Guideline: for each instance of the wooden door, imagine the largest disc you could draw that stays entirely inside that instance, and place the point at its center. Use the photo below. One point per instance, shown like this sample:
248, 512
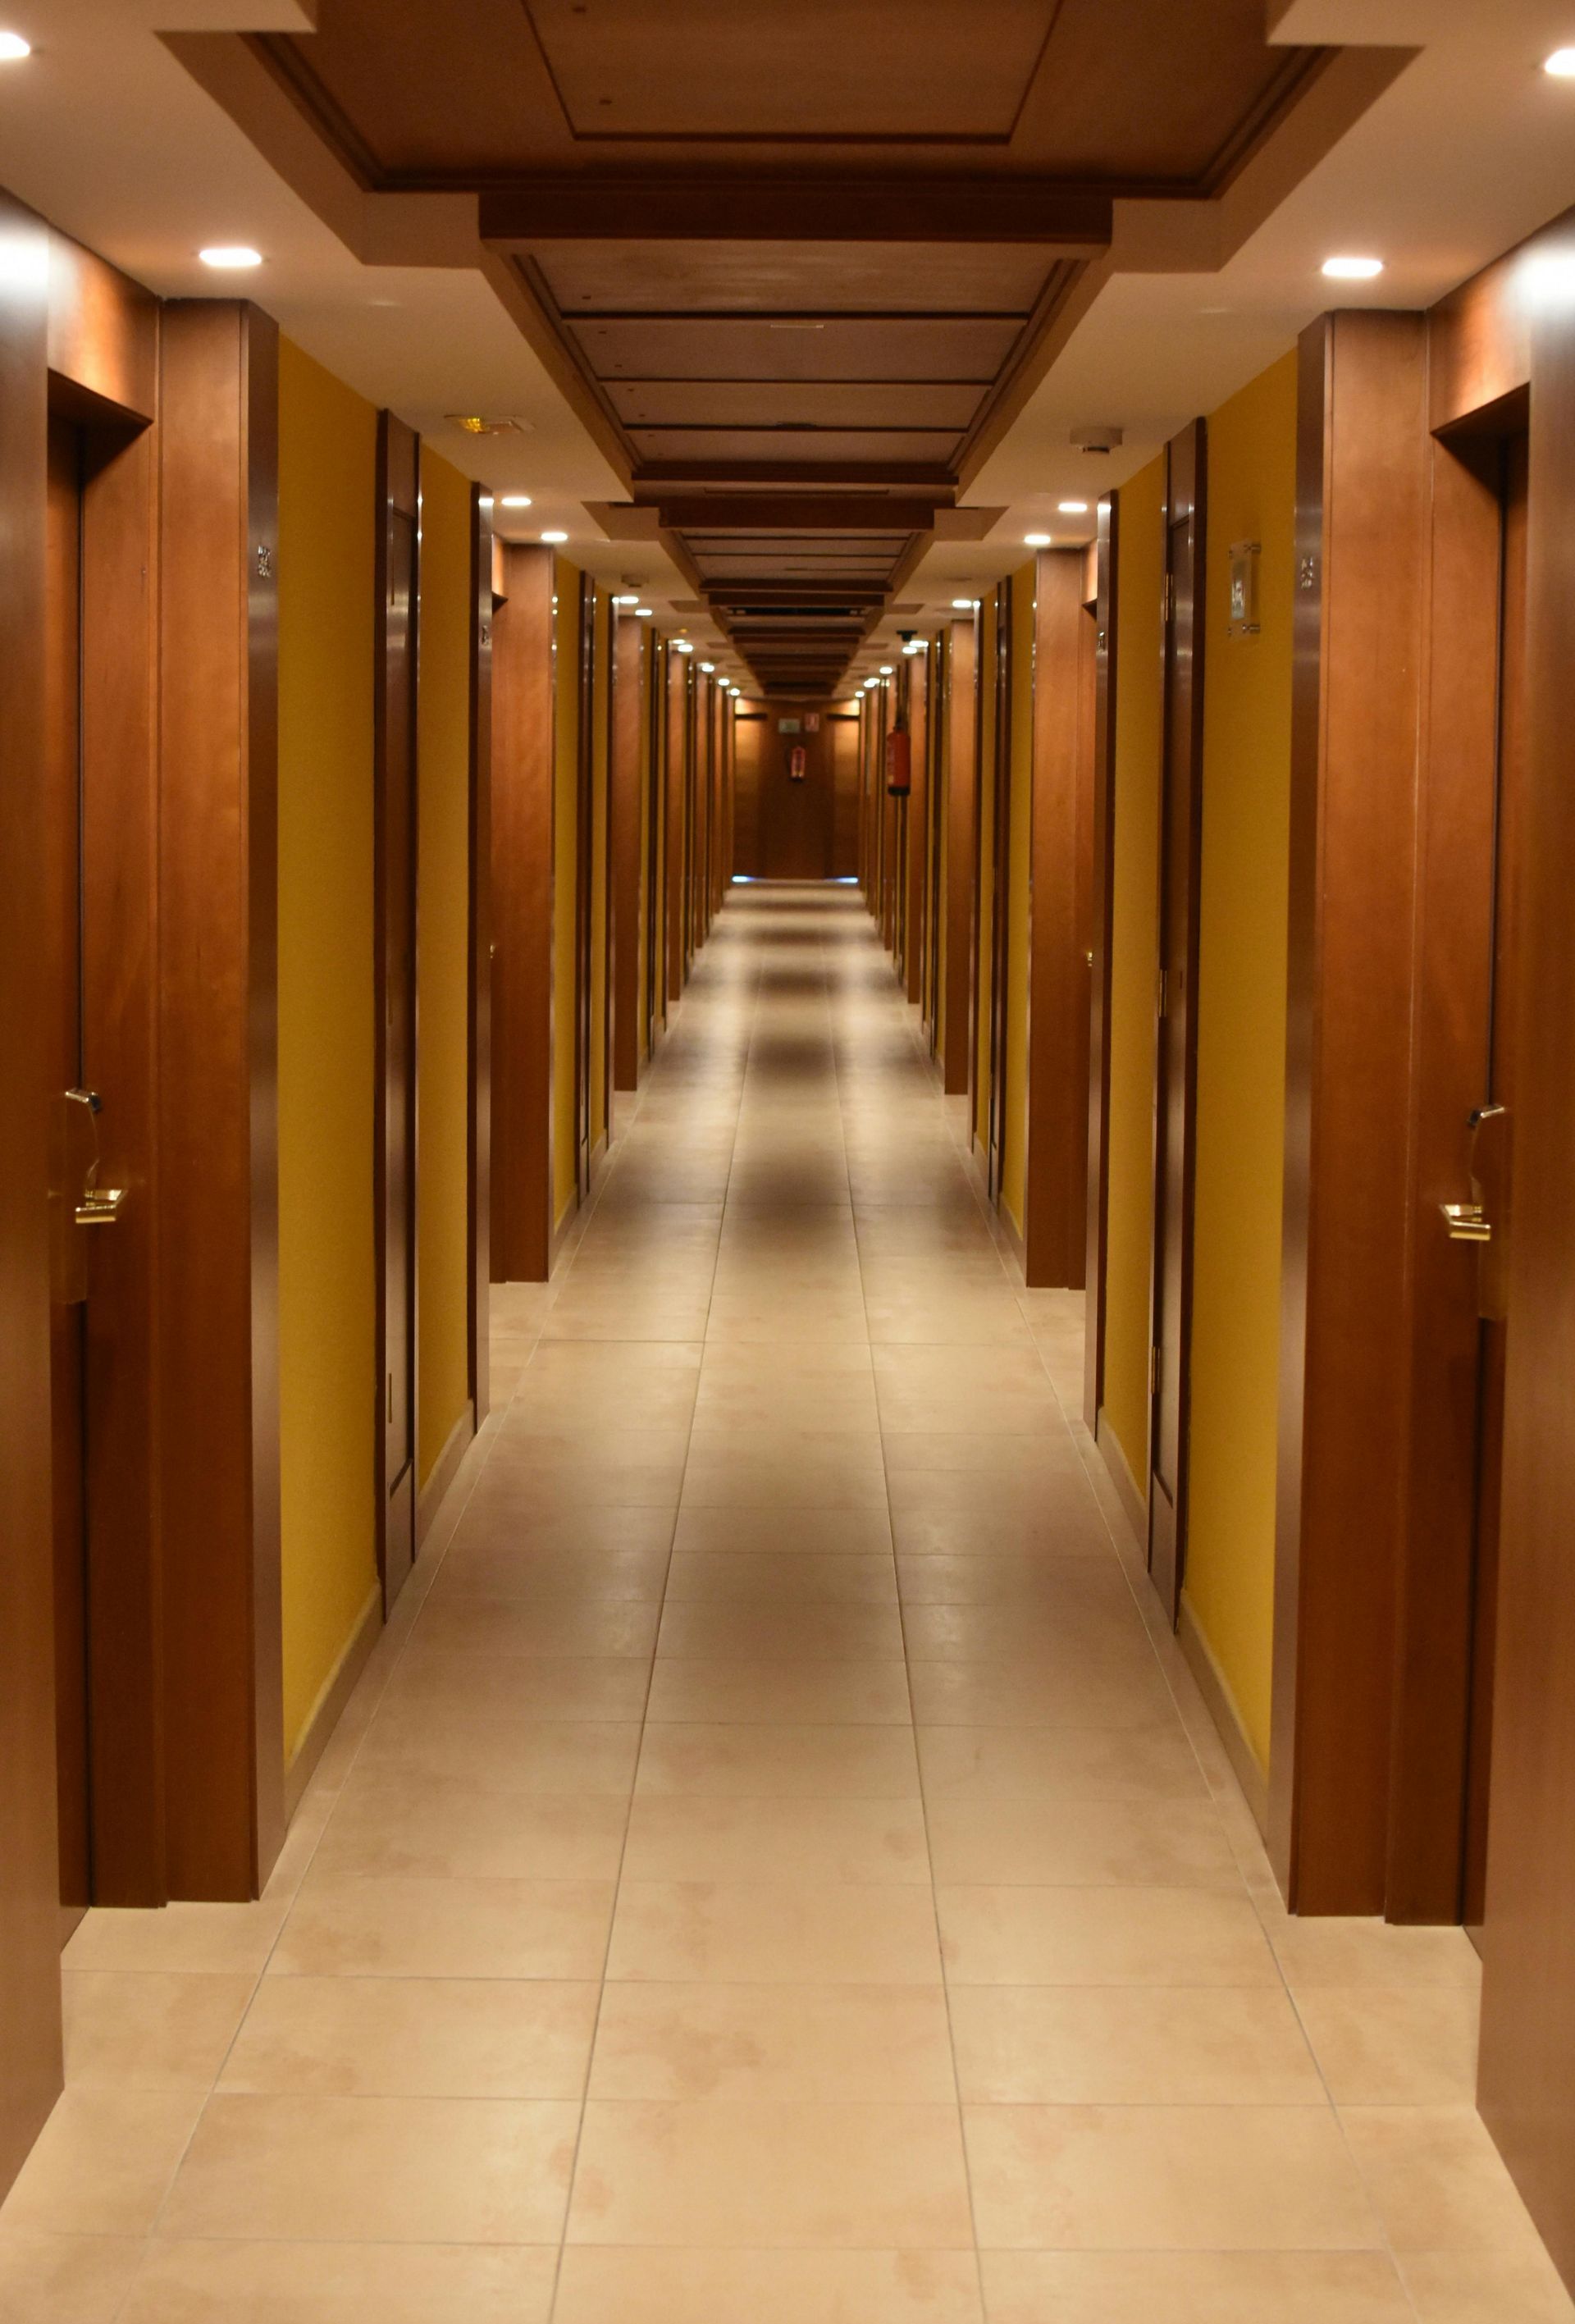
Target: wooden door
996, 872
76, 1133
397, 581
1487, 1157
1176, 1077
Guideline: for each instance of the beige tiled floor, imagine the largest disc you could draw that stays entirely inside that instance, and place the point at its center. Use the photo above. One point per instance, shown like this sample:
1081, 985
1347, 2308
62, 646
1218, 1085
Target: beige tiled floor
775, 1869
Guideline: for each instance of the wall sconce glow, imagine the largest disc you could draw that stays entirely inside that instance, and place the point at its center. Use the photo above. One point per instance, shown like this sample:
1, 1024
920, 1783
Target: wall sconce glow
1561, 64
1036, 540
14, 48
1072, 508
555, 536
1352, 270
231, 256
516, 500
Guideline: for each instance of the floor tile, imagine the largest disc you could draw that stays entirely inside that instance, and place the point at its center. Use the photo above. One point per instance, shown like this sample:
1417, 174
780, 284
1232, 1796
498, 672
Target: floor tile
767, 2287
781, 1578
1101, 1936
774, 1933
800, 2042
1153, 1844
443, 1827
376, 2169
103, 2162
1394, 2045
1192, 2178
65, 2279
210, 2282
676, 1837
427, 2037
819, 1629
797, 2175
761, 1762
150, 2030
408, 1927
784, 1532
1437, 2179
1454, 2287
1058, 1763
783, 1690
1194, 2288
1145, 2046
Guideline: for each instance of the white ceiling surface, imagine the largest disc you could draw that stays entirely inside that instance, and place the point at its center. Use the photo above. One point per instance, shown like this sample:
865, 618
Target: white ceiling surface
1471, 148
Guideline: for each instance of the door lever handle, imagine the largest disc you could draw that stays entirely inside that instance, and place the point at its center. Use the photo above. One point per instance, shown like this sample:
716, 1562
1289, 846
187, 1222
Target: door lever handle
1464, 1222
99, 1207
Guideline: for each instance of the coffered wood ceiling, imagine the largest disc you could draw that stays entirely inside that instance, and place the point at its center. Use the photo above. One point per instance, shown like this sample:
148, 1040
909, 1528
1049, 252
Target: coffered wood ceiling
799, 252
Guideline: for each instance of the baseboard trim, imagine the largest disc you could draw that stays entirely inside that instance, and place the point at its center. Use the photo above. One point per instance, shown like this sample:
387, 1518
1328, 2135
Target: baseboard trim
1134, 1506
1215, 1690
334, 1694
444, 1470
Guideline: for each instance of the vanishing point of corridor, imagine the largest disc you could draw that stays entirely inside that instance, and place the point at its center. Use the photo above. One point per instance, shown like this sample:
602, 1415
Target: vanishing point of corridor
774, 1866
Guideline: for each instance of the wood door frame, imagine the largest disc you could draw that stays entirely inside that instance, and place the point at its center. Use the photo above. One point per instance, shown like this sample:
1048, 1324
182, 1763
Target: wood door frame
1181, 818
522, 882
399, 495
916, 836
1055, 1205
1107, 553
584, 876
623, 837
1360, 618
961, 843
478, 1145
1001, 887
676, 785
654, 765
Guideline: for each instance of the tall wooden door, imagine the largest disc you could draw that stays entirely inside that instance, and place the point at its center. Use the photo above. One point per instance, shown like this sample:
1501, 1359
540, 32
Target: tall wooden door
1175, 1089
76, 1137
397, 534
996, 870
1485, 1150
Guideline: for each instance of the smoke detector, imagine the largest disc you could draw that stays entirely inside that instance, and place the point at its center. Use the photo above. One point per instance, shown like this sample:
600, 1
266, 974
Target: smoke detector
1096, 439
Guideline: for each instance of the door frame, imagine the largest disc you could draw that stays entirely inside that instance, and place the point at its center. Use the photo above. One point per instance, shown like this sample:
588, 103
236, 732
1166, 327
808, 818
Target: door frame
478, 1159
1176, 1080
1107, 646
1000, 886
399, 495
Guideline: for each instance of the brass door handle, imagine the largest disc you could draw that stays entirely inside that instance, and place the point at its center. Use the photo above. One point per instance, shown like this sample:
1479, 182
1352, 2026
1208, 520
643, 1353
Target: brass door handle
1464, 1222
99, 1207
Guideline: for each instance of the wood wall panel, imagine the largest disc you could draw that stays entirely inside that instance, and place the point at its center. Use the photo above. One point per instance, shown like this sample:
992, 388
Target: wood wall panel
522, 767
30, 1985
1057, 1203
679, 749
915, 824
1527, 2087
1362, 552
218, 1343
103, 333
1101, 874
630, 723
962, 854
479, 1158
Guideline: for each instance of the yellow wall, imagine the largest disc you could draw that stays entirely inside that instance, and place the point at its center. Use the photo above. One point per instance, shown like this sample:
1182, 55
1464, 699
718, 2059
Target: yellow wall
1134, 962
328, 1291
1242, 1049
566, 876
984, 981
443, 961
599, 802
1015, 1160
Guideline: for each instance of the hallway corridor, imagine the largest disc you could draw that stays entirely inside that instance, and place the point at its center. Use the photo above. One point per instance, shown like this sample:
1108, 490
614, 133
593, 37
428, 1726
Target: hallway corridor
776, 1869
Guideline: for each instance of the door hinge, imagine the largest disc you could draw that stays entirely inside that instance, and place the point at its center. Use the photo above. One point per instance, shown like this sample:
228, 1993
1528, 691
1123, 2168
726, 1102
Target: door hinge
1153, 1370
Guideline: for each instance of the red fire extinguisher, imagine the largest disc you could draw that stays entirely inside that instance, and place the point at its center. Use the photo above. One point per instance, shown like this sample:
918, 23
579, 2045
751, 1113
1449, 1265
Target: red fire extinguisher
899, 763
797, 764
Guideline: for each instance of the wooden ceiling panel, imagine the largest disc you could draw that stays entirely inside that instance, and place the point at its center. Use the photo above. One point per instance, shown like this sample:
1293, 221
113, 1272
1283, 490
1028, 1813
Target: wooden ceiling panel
780, 402
918, 347
816, 69
792, 442
790, 277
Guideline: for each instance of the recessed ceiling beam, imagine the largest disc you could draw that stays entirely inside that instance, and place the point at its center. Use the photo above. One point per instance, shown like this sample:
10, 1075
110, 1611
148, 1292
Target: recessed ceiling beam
796, 512
916, 477
893, 209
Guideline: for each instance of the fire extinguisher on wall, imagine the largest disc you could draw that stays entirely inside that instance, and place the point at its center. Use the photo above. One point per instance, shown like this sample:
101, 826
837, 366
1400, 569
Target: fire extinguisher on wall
797, 764
899, 763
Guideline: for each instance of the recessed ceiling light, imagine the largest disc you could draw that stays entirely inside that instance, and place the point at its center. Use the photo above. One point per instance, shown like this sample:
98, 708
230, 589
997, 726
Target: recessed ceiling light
626, 601
708, 667
962, 604
231, 254
555, 536
516, 500
1561, 64
1353, 270
886, 669
14, 48
1072, 508
682, 645
643, 612
1036, 540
